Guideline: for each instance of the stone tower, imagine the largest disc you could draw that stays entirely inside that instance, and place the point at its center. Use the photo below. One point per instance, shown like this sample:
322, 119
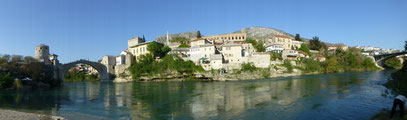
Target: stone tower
42, 53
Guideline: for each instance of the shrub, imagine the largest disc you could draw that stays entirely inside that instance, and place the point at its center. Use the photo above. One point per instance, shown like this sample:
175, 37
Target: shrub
5, 81
287, 64
248, 67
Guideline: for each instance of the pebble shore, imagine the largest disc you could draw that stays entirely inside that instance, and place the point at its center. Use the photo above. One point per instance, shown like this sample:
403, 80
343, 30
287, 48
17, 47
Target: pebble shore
15, 115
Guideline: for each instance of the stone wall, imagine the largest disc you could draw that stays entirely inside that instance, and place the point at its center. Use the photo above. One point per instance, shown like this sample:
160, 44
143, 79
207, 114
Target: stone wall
260, 60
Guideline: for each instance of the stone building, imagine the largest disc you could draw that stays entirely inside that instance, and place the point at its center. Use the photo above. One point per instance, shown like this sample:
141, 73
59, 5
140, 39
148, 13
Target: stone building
54, 59
226, 37
286, 42
42, 53
260, 60
232, 53
139, 49
200, 41
201, 51
110, 63
134, 41
290, 54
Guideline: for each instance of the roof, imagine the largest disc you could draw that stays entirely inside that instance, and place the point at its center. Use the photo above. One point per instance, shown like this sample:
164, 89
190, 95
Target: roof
319, 55
281, 36
197, 39
144, 43
301, 52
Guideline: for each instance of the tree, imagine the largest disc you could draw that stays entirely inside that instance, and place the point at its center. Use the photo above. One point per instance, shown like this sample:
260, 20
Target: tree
304, 48
405, 46
144, 39
331, 65
199, 34
258, 45
394, 62
158, 50
297, 37
315, 44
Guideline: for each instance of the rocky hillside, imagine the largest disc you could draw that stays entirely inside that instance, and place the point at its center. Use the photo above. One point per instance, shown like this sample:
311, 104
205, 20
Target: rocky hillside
262, 32
190, 35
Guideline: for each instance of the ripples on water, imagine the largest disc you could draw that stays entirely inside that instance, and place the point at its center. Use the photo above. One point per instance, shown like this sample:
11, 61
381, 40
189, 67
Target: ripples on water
332, 96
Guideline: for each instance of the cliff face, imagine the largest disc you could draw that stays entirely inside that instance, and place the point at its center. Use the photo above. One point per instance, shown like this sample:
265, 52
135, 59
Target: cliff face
262, 32
190, 35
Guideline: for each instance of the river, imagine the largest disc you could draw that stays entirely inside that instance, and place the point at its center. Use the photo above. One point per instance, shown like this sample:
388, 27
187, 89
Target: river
356, 95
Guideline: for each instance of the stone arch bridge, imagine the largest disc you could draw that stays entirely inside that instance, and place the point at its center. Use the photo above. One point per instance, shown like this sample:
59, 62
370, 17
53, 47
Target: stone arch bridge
381, 59
64, 68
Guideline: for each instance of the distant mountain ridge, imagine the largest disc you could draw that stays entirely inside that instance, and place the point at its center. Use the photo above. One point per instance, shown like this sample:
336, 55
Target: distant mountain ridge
262, 32
251, 32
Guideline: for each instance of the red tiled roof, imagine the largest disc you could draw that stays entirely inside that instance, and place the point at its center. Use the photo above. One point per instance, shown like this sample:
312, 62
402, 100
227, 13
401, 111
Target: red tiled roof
301, 52
281, 36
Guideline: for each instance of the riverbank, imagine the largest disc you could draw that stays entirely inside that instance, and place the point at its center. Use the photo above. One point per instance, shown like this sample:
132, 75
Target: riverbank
16, 115
216, 76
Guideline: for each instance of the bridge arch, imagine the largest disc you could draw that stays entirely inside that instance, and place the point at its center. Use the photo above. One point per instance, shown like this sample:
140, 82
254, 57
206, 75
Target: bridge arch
102, 70
381, 59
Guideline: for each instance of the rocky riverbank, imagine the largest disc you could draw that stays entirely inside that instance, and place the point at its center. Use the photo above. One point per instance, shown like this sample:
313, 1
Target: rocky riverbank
15, 115
216, 76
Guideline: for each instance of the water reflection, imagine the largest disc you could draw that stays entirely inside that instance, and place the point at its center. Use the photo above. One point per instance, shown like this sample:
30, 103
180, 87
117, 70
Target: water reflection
341, 95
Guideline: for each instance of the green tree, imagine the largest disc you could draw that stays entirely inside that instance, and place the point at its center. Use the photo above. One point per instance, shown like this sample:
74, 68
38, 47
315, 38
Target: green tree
184, 46
297, 37
257, 45
394, 62
5, 81
331, 65
199, 34
305, 48
315, 44
158, 50
405, 45
287, 64
144, 39
248, 67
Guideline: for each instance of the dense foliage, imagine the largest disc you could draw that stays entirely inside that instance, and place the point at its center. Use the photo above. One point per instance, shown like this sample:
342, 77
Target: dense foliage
287, 64
12, 67
297, 37
73, 76
339, 61
5, 81
184, 46
398, 84
394, 63
158, 50
315, 43
147, 66
248, 67
199, 34
275, 56
257, 45
305, 48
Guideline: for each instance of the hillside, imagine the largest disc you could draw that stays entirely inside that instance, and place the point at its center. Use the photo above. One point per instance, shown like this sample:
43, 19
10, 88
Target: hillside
190, 35
262, 32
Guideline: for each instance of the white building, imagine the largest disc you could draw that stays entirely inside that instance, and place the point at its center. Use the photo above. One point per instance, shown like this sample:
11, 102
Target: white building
232, 53
275, 48
201, 51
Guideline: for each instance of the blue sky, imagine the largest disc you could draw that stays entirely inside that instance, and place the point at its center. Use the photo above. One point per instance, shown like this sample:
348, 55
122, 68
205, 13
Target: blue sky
90, 29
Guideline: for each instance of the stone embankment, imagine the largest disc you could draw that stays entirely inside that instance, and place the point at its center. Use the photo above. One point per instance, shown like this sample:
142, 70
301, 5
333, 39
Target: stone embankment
208, 76
15, 115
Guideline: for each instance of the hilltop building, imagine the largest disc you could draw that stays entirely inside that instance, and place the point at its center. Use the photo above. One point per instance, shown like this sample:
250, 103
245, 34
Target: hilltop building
42, 55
